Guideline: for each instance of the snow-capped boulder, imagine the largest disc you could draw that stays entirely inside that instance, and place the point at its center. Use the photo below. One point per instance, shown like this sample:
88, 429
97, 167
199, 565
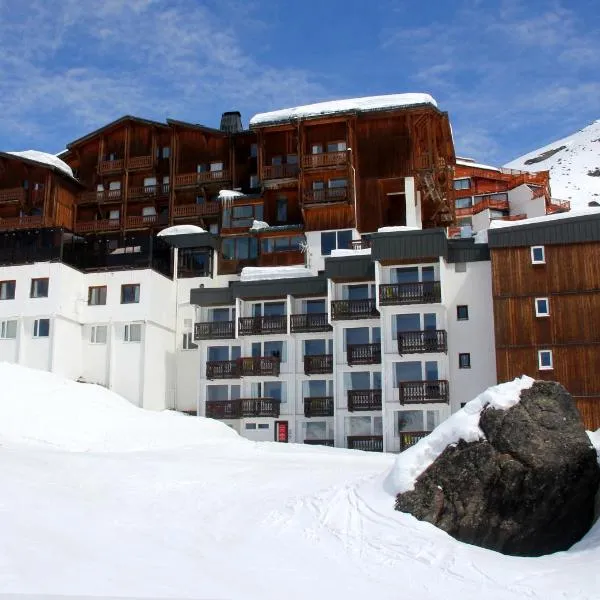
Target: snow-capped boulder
526, 488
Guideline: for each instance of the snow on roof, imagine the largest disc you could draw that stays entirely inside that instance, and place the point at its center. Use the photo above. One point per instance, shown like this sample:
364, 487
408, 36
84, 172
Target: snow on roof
258, 225
267, 273
470, 163
397, 228
463, 424
350, 252
180, 230
45, 158
367, 104
230, 195
589, 211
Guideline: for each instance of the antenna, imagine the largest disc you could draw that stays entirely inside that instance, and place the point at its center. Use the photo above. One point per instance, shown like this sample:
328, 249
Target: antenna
306, 251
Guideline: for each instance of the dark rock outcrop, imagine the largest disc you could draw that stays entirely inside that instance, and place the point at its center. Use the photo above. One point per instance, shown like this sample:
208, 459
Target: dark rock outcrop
526, 490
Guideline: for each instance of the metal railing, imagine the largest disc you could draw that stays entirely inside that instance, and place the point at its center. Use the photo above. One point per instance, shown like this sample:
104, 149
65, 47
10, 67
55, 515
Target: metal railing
364, 400
318, 364
426, 292
309, 322
367, 443
422, 342
318, 406
363, 354
262, 325
243, 408
353, 309
214, 330
423, 392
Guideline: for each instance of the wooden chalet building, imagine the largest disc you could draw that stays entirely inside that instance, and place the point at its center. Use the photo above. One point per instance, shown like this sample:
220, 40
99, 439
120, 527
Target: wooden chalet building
546, 295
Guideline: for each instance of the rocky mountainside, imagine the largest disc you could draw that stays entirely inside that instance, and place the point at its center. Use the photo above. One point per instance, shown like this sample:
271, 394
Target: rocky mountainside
574, 165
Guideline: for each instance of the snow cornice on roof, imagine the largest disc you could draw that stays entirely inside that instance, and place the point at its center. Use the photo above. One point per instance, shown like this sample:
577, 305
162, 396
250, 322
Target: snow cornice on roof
42, 159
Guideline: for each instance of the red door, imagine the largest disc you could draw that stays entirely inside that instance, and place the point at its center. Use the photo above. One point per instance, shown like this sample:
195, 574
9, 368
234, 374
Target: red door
281, 431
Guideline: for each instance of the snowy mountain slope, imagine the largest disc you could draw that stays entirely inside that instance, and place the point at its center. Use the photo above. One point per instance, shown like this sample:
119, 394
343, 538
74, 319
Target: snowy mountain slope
574, 165
202, 513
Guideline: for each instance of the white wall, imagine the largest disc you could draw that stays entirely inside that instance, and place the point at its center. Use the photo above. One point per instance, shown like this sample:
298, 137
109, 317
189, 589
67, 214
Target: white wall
521, 202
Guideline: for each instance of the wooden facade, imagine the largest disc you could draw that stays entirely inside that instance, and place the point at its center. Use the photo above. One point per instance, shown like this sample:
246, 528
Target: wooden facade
570, 280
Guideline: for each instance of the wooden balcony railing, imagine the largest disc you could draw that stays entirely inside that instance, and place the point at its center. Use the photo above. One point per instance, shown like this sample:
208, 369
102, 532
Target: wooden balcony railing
309, 322
12, 195
490, 203
26, 222
243, 408
214, 330
367, 443
426, 292
325, 159
514, 217
423, 392
280, 171
139, 162
329, 443
149, 191
98, 225
140, 221
194, 179
363, 354
223, 369
422, 342
465, 211
254, 366
197, 210
364, 400
353, 309
101, 197
110, 166
318, 407
262, 325
341, 194
555, 205
410, 438
318, 364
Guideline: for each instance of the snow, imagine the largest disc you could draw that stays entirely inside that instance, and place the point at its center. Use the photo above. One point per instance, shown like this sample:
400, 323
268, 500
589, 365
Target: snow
266, 273
350, 252
102, 499
366, 104
583, 212
463, 424
230, 195
569, 166
391, 229
180, 230
258, 225
471, 163
45, 158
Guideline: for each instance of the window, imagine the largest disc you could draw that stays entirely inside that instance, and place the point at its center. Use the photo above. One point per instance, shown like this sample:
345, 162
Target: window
148, 211
464, 360
464, 202
114, 185
239, 248
263, 426
39, 288
242, 216
7, 290
282, 209
316, 149
462, 312
114, 215
460, 267
41, 328
292, 159
276, 161
130, 293
338, 183
462, 184
166, 152
331, 240
133, 332
538, 255
98, 334
194, 263
542, 307
97, 295
336, 146
216, 167
253, 181
545, 360
188, 341
8, 330
253, 150
318, 185
281, 244
250, 426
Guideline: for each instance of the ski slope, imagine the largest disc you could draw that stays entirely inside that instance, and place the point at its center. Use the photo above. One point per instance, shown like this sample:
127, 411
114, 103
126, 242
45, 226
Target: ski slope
99, 498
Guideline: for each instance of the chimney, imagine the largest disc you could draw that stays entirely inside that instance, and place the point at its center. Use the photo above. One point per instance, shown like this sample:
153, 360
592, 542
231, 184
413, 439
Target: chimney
231, 122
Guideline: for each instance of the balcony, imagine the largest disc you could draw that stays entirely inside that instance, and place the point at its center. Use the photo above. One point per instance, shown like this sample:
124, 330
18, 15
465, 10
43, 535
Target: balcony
26, 222
149, 191
367, 443
557, 206
364, 400
318, 364
310, 322
214, 330
423, 392
329, 443
324, 159
111, 166
280, 171
426, 292
363, 354
243, 408
318, 407
97, 226
490, 203
262, 325
422, 342
326, 196
12, 195
410, 438
102, 197
139, 162
257, 366
140, 221
196, 179
353, 309
223, 369
205, 209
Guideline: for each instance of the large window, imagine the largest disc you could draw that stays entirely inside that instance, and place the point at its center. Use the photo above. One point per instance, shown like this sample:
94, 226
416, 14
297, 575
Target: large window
41, 328
464, 202
462, 184
282, 209
270, 349
194, 263
336, 146
130, 293
8, 330
133, 332
332, 240
39, 288
318, 347
97, 295
281, 244
7, 290
240, 248
242, 215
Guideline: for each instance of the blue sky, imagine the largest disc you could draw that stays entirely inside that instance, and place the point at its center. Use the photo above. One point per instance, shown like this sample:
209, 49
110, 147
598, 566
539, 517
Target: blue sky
513, 74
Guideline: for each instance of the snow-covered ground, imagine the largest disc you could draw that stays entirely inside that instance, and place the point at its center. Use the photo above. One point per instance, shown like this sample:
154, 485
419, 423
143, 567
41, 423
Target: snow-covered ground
100, 498
570, 162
